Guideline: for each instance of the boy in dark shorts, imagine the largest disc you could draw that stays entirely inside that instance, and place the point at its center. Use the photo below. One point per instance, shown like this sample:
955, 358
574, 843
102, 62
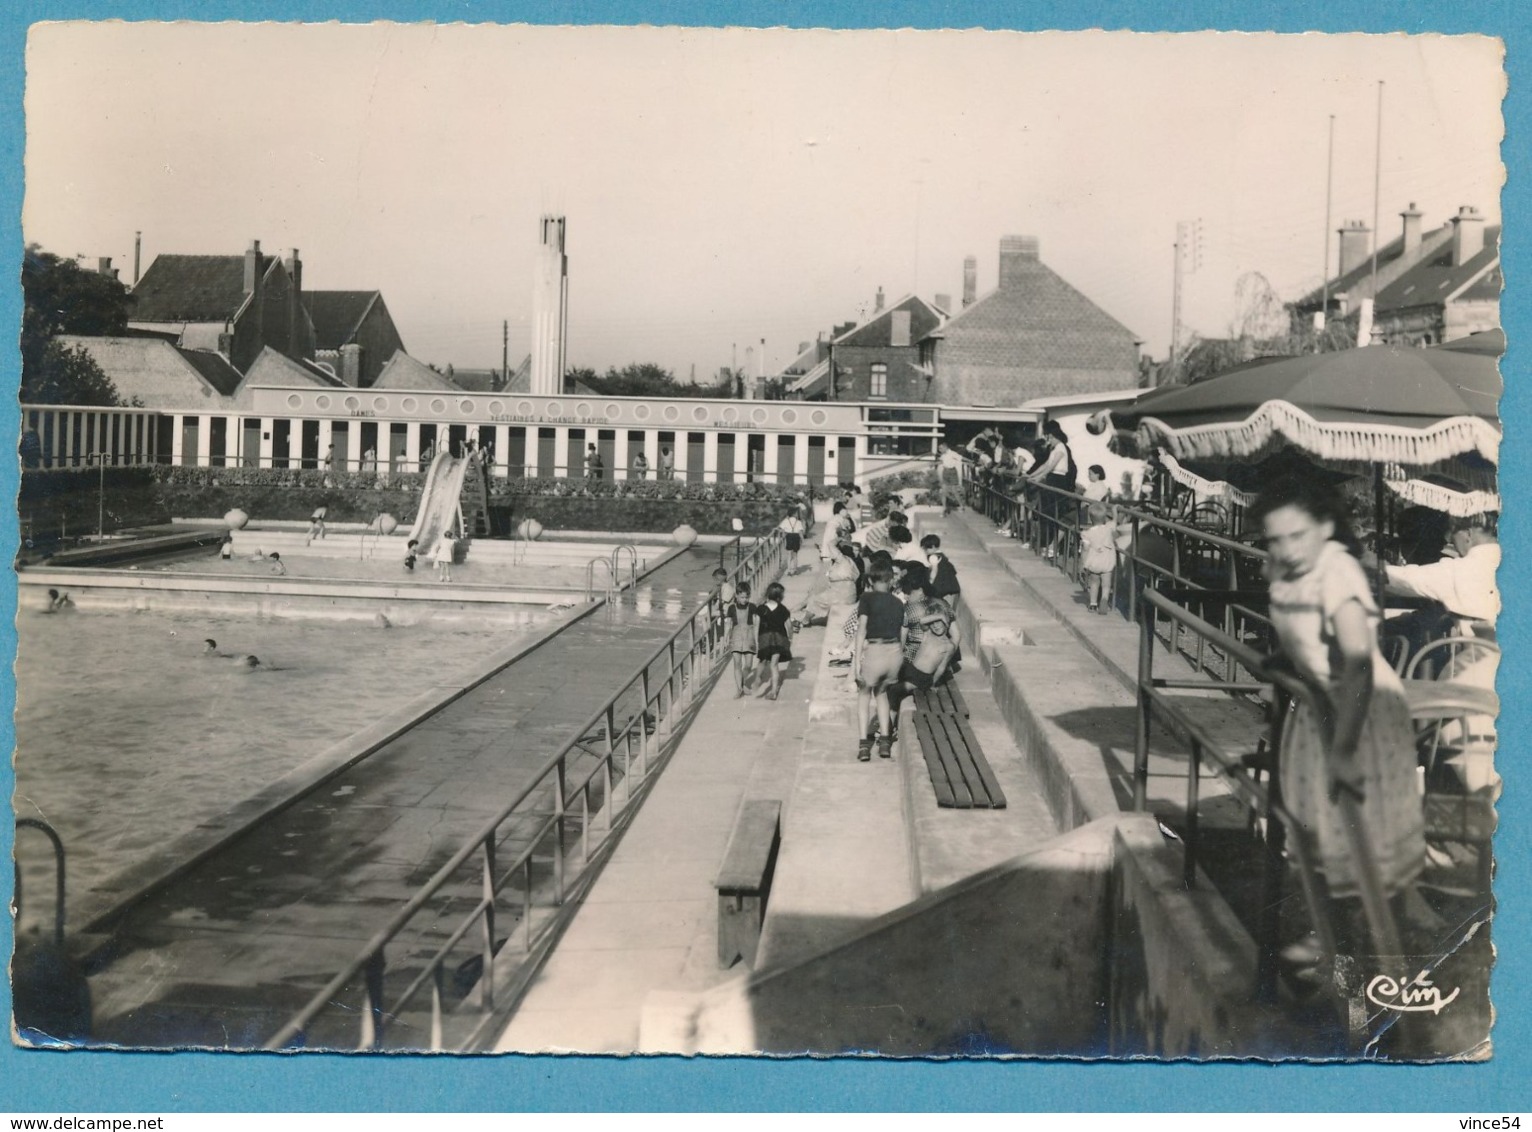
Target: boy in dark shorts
877, 654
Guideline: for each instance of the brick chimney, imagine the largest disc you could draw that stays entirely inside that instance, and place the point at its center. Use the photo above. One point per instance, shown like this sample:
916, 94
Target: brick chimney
1355, 245
1017, 253
1467, 235
970, 280
1411, 246
877, 302
351, 364
294, 305
255, 266
104, 266
944, 303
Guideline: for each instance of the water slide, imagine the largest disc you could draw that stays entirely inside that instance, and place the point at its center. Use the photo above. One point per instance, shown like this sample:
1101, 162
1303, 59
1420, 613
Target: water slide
438, 502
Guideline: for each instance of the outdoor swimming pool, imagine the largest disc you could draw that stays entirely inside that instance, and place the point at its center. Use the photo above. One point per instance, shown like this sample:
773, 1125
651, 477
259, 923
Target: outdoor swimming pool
128, 736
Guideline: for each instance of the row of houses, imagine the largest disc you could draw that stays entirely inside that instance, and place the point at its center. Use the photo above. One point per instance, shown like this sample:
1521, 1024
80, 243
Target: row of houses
1034, 336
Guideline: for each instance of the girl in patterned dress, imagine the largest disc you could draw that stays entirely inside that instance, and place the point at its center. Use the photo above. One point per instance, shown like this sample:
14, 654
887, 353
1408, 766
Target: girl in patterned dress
1355, 738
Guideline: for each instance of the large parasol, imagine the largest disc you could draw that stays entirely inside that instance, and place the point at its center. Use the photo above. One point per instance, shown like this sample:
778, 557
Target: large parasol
1395, 405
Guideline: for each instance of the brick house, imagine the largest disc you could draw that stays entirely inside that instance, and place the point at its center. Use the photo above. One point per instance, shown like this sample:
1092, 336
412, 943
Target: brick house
877, 361
233, 305
1033, 336
354, 335
1451, 294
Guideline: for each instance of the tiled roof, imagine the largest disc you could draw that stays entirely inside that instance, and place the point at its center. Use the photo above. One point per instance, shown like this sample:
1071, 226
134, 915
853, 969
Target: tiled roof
1430, 243
191, 288
1435, 280
276, 370
152, 371
336, 315
812, 382
924, 318
476, 380
215, 370
404, 372
521, 377
1040, 322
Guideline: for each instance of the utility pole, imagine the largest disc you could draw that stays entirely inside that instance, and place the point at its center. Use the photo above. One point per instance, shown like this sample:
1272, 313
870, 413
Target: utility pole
1324, 303
505, 353
1188, 245
1377, 183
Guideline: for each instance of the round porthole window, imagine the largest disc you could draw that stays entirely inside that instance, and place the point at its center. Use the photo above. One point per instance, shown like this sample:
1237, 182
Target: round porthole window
582, 409
465, 406
613, 411
731, 414
790, 415
409, 404
323, 400
555, 408
699, 414
672, 413
497, 408
353, 402
641, 412
294, 401
758, 415
817, 416
438, 405
380, 404
524, 408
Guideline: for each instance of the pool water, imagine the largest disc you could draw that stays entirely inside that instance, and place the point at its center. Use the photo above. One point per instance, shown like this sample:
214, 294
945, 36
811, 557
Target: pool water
127, 735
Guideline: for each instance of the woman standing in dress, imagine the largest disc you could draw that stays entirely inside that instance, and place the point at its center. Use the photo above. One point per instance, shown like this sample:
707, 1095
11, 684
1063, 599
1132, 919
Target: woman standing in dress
1354, 738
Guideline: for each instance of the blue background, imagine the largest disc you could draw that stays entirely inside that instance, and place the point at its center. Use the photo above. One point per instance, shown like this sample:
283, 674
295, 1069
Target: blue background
101, 1082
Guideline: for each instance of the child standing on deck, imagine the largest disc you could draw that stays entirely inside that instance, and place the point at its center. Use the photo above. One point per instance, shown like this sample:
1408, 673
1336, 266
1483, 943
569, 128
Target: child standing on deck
773, 637
740, 619
443, 557
877, 655
1098, 555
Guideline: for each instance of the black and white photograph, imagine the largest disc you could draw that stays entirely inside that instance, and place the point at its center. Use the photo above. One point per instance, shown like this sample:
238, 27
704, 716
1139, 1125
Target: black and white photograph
728, 541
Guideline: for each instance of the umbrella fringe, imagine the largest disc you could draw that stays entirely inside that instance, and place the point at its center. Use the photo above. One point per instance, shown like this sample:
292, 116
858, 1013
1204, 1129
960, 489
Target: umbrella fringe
1205, 488
1329, 440
1458, 504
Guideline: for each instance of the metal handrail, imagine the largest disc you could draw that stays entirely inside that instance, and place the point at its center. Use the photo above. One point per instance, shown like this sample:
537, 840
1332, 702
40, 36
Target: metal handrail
590, 577
685, 668
1152, 703
632, 563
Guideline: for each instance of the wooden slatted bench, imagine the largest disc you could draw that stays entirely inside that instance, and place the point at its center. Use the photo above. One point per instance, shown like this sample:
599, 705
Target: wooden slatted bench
744, 880
944, 699
960, 773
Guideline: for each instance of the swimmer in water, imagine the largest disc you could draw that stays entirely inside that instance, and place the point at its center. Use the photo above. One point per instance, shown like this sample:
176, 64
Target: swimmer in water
278, 567
57, 602
258, 556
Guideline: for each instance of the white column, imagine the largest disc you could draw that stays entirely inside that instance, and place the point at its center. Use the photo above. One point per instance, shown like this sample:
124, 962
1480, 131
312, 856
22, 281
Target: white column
233, 440
204, 440
326, 438
268, 440
621, 458
769, 459
710, 456
682, 452
177, 435
561, 451
151, 435
502, 451
412, 446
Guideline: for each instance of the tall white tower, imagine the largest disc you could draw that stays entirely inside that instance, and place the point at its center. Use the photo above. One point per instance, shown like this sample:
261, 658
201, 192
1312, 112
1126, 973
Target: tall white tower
550, 310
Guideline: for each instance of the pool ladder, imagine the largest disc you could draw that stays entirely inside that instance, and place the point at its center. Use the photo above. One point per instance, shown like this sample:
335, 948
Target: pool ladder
613, 564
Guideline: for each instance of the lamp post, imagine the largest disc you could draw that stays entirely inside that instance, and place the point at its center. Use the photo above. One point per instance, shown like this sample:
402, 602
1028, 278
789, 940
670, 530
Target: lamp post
100, 458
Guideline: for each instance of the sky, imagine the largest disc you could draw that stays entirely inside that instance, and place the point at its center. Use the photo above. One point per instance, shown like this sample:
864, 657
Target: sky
728, 186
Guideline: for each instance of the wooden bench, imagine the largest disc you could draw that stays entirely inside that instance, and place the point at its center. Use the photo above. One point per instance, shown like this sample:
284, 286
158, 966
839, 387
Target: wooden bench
744, 880
960, 773
943, 699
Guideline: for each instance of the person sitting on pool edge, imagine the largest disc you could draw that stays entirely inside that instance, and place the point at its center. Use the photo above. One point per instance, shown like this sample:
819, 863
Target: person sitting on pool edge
410, 553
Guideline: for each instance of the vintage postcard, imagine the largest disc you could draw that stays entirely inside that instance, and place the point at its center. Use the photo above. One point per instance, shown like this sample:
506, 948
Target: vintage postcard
642, 540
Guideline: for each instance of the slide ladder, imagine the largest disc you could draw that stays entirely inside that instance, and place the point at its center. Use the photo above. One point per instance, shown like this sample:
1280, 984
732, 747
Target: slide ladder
475, 502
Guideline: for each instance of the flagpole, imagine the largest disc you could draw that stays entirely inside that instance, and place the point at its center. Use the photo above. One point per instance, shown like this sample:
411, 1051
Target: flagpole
1377, 182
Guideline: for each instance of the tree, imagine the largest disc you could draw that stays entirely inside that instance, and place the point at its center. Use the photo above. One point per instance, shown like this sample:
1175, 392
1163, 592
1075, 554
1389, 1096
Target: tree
59, 298
644, 379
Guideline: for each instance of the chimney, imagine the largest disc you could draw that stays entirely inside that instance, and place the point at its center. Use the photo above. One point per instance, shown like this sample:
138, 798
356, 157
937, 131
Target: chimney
104, 266
294, 305
877, 302
351, 364
1411, 245
944, 303
1016, 254
803, 348
970, 280
254, 265
138, 248
1355, 245
1467, 235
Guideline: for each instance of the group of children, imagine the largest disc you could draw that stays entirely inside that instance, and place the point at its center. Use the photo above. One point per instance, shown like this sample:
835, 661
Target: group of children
759, 636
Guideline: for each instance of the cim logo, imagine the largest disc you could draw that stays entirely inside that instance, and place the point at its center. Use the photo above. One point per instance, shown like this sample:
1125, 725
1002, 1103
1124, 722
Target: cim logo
1410, 997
